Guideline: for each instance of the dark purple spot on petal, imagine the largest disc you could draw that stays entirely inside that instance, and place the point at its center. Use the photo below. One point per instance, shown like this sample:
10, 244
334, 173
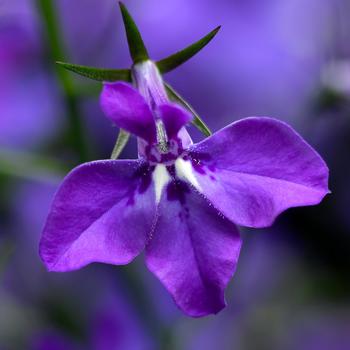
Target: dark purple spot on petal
145, 183
204, 157
167, 157
131, 200
198, 167
186, 212
143, 177
177, 190
212, 167
171, 170
153, 159
202, 162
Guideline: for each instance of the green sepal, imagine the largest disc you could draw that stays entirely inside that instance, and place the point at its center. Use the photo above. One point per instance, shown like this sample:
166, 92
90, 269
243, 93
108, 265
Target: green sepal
137, 48
170, 63
99, 74
122, 140
197, 121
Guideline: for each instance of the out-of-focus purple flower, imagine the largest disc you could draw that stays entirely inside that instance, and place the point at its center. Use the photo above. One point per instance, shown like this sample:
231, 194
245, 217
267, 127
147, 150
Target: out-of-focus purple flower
179, 201
52, 341
114, 326
28, 97
77, 17
29, 202
321, 332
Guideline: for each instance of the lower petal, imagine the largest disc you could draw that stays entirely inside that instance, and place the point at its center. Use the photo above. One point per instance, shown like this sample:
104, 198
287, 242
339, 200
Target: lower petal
103, 212
193, 251
256, 168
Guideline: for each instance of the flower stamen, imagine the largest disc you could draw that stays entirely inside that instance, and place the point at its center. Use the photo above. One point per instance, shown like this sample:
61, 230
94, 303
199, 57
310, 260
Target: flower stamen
162, 137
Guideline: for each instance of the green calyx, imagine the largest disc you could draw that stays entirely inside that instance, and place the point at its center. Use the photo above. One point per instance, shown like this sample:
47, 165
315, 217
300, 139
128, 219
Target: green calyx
197, 120
98, 74
122, 140
137, 47
170, 63
139, 53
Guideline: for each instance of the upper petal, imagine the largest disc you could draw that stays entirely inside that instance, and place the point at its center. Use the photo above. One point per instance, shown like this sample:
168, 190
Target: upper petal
257, 167
103, 212
174, 118
126, 107
193, 250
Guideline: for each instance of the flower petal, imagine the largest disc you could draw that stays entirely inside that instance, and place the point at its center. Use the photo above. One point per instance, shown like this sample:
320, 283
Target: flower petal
193, 251
103, 212
174, 118
256, 168
126, 107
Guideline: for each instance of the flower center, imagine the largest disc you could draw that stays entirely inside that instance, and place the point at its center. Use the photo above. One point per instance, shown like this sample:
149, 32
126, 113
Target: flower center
147, 79
155, 154
149, 82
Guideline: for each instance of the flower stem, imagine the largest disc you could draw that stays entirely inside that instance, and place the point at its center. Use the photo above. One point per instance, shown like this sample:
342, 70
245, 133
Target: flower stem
30, 166
6, 251
55, 43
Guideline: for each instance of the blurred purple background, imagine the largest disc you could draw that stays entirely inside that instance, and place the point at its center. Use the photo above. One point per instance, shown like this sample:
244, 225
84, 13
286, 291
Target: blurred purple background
288, 59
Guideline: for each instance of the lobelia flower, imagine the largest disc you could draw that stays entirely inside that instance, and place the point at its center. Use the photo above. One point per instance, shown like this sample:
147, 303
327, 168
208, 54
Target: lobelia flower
179, 202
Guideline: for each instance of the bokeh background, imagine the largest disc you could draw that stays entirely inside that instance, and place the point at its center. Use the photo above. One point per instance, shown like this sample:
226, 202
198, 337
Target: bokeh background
288, 59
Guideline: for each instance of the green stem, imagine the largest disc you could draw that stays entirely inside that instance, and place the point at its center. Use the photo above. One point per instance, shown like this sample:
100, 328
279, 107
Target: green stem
29, 166
55, 44
6, 251
197, 121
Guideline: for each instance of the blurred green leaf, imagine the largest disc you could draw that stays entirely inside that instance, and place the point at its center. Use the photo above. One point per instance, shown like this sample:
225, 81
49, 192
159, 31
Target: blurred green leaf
122, 140
99, 74
177, 59
330, 99
137, 47
6, 250
31, 166
197, 121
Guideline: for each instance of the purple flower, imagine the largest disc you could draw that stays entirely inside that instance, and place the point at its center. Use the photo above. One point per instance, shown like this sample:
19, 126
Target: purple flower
52, 341
179, 201
28, 97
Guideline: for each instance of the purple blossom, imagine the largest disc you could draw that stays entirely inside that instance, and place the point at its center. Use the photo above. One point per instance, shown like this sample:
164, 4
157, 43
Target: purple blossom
179, 202
28, 97
52, 341
320, 331
116, 325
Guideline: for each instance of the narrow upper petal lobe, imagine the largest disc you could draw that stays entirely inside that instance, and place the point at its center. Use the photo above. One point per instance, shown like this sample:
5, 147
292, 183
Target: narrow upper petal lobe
193, 250
174, 118
257, 167
103, 212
